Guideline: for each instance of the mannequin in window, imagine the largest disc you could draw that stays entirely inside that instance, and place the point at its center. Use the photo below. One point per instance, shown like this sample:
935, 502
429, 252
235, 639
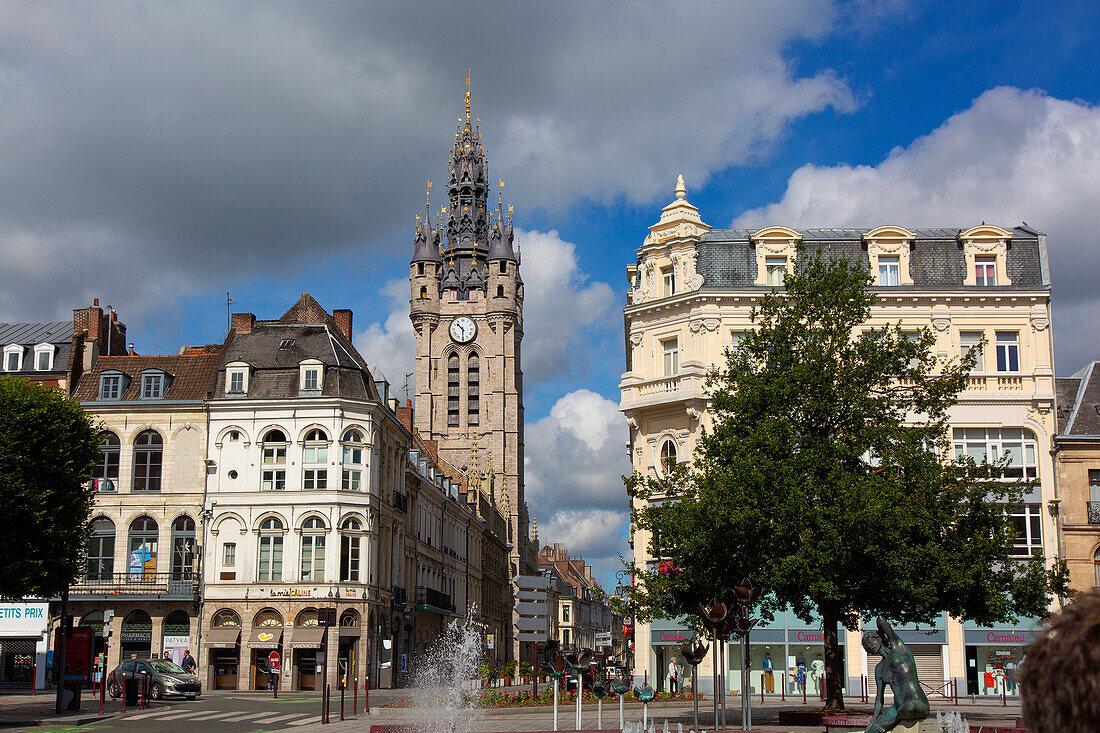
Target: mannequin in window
769, 673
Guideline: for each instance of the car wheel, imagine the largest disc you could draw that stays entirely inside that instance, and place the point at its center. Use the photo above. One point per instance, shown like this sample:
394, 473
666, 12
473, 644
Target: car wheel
156, 692
112, 688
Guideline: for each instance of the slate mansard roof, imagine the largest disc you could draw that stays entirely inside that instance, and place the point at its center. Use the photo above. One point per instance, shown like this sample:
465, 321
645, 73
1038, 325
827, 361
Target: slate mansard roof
29, 335
1078, 400
727, 257
274, 350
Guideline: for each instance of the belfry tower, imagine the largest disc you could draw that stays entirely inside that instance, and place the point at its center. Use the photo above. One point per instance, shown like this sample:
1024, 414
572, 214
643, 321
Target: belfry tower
467, 314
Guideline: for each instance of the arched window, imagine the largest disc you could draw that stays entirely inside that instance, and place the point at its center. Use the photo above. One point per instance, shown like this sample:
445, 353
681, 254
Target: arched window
225, 617
271, 550
353, 460
423, 290
315, 460
668, 456
183, 548
105, 477
452, 389
273, 461
313, 550
144, 535
148, 454
101, 550
308, 617
500, 290
473, 390
268, 617
349, 550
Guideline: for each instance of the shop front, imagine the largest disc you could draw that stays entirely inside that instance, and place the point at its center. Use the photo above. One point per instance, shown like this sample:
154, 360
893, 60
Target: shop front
137, 635
306, 644
223, 651
23, 645
927, 647
992, 657
346, 657
176, 636
665, 645
267, 636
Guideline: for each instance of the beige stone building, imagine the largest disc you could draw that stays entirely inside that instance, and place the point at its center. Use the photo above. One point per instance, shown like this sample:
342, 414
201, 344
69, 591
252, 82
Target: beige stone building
1077, 466
691, 291
140, 588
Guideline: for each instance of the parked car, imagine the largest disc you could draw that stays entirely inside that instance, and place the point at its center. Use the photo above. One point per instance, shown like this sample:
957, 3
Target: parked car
163, 678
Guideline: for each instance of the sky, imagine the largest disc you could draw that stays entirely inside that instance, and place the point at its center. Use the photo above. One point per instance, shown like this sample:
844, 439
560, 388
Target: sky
159, 155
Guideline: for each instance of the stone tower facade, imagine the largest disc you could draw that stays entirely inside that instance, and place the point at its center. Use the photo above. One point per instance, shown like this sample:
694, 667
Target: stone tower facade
467, 314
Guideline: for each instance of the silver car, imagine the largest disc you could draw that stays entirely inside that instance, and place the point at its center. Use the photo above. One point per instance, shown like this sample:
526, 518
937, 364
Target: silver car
162, 676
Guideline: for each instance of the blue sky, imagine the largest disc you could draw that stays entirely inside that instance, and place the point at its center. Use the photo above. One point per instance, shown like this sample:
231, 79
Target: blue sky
158, 156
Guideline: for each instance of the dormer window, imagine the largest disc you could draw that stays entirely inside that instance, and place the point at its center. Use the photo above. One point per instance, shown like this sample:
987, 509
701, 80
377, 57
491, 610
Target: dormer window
237, 378
311, 374
112, 385
153, 385
43, 357
13, 358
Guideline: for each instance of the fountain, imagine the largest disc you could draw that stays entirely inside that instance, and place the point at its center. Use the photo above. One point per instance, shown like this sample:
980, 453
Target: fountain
446, 680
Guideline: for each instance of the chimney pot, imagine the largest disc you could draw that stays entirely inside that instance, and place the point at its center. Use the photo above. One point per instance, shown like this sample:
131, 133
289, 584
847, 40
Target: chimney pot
95, 301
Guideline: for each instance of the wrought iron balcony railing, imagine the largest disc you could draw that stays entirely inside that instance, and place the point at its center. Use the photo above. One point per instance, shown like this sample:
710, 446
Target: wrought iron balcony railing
430, 597
178, 584
1094, 512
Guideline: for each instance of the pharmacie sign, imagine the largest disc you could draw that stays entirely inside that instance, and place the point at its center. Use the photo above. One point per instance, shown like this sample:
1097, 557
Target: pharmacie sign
26, 619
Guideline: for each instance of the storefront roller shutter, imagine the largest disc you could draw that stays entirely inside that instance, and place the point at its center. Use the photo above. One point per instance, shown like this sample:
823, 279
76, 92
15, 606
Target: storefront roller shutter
929, 670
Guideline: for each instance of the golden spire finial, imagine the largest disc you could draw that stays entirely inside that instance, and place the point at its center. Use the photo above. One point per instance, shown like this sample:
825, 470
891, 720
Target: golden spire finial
428, 196
468, 94
500, 193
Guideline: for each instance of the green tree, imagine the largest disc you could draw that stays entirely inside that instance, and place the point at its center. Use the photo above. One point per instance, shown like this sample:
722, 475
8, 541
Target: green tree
48, 446
827, 477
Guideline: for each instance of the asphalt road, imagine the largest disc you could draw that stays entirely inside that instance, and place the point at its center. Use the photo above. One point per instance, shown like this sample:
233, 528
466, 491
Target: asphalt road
226, 712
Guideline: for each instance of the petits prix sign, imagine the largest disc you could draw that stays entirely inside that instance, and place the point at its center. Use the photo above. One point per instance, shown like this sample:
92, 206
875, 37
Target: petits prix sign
27, 617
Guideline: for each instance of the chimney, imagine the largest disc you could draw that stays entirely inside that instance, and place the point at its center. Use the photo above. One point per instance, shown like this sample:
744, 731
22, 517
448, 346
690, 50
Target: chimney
242, 322
405, 415
342, 316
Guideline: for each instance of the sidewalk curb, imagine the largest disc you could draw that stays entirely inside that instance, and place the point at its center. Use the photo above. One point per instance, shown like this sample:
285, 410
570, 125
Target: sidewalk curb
73, 721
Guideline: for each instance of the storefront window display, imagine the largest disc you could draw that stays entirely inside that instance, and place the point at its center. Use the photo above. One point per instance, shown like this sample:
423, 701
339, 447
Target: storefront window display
992, 658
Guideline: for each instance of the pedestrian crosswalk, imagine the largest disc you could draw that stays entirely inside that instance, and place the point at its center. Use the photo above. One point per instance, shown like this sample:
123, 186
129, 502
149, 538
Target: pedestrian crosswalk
276, 718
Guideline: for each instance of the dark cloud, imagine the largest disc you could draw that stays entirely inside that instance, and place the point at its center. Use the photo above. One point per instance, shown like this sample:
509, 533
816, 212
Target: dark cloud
151, 148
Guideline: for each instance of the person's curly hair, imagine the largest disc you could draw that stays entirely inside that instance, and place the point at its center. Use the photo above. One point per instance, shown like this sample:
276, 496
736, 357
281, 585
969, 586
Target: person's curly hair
1060, 677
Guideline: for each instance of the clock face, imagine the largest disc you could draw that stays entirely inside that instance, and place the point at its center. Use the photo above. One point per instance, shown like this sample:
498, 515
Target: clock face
463, 329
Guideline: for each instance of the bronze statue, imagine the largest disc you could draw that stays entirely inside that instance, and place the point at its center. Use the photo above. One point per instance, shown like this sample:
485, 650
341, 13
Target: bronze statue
899, 670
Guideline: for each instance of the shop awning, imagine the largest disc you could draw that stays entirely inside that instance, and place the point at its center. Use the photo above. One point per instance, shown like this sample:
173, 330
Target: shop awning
307, 637
223, 637
349, 632
265, 637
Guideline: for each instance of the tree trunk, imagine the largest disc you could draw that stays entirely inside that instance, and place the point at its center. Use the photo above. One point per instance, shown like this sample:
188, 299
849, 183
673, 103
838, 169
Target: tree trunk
834, 665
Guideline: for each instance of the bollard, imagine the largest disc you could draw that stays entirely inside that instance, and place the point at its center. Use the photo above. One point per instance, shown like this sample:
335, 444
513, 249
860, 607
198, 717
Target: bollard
955, 691
141, 693
1004, 698
342, 702
34, 673
761, 689
803, 693
355, 698
366, 695
102, 688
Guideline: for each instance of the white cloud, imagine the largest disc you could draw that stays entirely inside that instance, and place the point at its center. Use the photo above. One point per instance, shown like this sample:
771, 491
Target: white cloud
575, 459
390, 348
1013, 156
561, 305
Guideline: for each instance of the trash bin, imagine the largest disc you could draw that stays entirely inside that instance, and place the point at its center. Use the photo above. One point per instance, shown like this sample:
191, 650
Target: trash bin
130, 683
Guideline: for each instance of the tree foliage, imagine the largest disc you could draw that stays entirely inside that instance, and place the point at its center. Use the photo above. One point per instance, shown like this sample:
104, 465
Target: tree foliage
827, 476
48, 446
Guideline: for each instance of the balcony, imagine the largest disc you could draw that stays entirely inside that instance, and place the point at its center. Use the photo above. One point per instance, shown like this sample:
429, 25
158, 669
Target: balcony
400, 502
399, 595
135, 586
433, 601
688, 384
1094, 512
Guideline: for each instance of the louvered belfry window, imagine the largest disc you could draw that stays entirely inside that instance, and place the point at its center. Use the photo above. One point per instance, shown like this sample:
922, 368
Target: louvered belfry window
473, 390
452, 389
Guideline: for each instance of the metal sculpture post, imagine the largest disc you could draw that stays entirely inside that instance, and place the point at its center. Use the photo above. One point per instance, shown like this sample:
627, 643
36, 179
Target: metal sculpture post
645, 694
747, 595
600, 692
620, 687
556, 669
694, 656
714, 616
578, 664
